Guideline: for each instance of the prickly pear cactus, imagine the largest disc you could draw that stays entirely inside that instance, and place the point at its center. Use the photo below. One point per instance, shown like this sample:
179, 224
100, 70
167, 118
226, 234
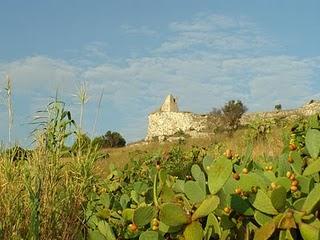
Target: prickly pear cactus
229, 197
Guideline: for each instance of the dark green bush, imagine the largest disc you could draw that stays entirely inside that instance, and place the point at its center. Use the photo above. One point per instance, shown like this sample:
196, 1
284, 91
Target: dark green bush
278, 107
110, 140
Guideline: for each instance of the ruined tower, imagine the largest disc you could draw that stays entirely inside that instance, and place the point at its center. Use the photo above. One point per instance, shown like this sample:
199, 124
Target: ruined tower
169, 105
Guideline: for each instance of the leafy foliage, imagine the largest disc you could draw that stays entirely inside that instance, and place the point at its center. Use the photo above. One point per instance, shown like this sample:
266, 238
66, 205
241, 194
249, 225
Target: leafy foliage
54, 126
231, 197
232, 112
110, 140
229, 115
278, 107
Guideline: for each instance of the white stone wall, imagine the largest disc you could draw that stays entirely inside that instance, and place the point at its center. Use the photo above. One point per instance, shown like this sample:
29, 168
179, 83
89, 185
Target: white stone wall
163, 124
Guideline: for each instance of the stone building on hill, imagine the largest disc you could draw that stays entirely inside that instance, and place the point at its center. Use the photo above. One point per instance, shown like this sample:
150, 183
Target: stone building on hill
170, 123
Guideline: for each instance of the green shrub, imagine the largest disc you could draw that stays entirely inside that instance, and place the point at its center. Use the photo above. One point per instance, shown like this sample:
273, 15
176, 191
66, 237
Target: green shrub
228, 117
232, 112
278, 107
110, 140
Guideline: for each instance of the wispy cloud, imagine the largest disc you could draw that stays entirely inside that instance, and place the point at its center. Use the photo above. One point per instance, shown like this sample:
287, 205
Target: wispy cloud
218, 33
205, 62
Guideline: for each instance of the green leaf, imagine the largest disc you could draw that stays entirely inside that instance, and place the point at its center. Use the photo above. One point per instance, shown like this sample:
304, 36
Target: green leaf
241, 206
312, 168
218, 174
314, 121
193, 231
173, 215
140, 187
178, 186
305, 184
283, 165
284, 182
194, 192
247, 181
270, 175
263, 203
299, 204
207, 162
262, 218
278, 198
212, 223
163, 175
285, 235
226, 223
143, 215
149, 235
95, 235
206, 207
313, 142
106, 230
163, 228
312, 200
124, 200
127, 214
105, 200
167, 194
297, 162
265, 232
309, 232
199, 176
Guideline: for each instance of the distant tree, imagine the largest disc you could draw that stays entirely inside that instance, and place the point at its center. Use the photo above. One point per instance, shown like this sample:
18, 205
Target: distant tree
278, 107
232, 112
110, 140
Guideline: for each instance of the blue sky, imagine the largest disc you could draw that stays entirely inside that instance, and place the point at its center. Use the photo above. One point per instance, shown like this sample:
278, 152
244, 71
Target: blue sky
203, 52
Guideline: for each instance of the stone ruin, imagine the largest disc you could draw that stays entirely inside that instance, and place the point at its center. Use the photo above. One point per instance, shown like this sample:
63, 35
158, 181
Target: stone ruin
170, 104
168, 123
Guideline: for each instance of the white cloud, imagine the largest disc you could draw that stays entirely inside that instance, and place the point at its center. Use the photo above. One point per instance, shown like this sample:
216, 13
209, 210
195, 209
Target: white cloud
223, 58
261, 81
39, 72
217, 33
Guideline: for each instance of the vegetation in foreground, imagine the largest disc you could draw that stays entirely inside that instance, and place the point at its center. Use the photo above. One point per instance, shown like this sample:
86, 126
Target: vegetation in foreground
183, 192
224, 197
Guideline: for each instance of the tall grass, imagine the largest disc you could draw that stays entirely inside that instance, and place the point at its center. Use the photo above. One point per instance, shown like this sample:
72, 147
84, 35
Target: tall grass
8, 97
43, 196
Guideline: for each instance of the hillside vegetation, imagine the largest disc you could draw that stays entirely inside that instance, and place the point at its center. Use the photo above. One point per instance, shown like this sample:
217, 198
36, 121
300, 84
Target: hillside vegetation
259, 182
